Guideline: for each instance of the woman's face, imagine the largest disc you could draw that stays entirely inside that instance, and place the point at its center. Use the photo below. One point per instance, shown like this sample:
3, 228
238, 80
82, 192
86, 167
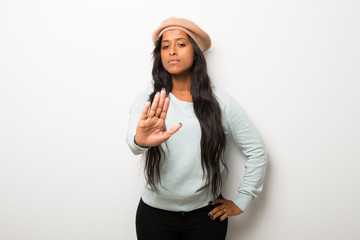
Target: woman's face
177, 52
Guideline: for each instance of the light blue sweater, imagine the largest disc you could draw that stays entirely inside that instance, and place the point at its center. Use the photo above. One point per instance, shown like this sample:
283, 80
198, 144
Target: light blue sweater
181, 172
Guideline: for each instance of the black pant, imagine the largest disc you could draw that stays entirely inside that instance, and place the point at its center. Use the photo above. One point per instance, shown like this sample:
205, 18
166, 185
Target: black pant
153, 223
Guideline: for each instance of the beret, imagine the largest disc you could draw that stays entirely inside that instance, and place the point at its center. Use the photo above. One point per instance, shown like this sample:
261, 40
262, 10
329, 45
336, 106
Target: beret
200, 36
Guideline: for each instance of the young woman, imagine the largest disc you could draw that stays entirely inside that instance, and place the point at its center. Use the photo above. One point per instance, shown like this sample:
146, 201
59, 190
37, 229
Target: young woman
181, 125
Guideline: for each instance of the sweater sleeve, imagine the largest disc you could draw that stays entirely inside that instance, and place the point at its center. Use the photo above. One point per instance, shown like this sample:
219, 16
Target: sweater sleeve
135, 113
247, 138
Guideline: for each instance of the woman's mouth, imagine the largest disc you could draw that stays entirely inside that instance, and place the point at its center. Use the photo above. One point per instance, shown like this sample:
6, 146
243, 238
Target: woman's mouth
173, 61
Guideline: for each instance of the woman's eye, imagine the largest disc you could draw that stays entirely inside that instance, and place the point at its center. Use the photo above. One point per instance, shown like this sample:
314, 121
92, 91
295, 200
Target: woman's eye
181, 45
165, 47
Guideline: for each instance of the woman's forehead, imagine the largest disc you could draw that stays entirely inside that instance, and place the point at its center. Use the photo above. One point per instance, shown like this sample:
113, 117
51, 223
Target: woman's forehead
174, 34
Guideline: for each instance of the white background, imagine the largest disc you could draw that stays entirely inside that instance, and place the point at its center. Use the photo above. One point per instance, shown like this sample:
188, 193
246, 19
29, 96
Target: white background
69, 70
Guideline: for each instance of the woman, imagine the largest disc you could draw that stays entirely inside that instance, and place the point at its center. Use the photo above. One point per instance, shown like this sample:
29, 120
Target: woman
181, 125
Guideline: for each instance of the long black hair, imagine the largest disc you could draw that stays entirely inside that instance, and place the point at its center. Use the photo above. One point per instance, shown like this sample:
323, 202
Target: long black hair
206, 109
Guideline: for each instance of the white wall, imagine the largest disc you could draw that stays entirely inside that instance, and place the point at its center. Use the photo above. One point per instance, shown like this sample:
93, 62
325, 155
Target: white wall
69, 70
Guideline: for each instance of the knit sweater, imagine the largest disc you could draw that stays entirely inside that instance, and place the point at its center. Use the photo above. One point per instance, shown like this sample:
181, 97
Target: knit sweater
181, 171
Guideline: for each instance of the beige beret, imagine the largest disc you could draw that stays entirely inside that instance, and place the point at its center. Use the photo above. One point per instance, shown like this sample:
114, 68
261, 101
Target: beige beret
200, 36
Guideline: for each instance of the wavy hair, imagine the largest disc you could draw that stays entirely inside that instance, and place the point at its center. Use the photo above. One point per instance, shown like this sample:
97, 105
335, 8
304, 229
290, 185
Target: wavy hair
206, 109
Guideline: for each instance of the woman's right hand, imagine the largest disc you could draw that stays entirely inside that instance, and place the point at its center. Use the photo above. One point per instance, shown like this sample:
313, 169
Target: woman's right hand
150, 130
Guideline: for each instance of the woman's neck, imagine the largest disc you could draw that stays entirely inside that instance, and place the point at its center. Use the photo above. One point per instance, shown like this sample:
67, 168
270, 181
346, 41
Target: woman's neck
181, 87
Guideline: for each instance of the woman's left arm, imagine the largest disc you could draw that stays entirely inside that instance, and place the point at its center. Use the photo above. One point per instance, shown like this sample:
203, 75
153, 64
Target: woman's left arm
247, 138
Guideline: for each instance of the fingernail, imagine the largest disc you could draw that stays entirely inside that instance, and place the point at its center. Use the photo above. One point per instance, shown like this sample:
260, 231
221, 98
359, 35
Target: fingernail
157, 92
212, 218
209, 202
180, 124
163, 89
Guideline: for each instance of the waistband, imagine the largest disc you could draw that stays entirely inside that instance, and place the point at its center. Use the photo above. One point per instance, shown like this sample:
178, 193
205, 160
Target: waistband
183, 213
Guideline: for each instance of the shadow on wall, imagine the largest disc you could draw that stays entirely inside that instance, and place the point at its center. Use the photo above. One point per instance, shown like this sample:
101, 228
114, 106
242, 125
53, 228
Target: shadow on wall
247, 223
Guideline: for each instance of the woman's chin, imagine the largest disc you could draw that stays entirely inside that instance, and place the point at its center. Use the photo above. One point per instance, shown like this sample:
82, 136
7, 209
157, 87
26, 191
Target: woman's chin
177, 72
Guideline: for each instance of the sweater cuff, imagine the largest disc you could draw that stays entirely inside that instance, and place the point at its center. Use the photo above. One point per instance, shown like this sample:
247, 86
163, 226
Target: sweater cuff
144, 148
138, 149
243, 200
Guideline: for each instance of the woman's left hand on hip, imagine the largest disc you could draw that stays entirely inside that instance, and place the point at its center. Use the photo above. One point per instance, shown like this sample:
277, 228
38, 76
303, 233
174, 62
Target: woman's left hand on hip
224, 209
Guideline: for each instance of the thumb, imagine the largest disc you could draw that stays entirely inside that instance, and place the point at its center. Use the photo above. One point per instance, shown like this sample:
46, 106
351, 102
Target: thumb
172, 130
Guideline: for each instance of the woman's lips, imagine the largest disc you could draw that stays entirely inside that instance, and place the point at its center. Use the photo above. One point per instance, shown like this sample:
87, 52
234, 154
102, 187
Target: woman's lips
173, 61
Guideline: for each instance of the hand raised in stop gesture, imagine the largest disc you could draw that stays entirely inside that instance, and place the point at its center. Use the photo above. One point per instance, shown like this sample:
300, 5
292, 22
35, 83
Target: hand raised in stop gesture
150, 130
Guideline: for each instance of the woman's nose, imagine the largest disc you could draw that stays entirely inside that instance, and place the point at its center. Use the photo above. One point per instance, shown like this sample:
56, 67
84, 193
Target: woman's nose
172, 51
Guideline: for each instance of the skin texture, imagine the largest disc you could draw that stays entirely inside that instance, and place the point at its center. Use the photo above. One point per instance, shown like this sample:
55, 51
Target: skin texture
177, 55
225, 209
150, 129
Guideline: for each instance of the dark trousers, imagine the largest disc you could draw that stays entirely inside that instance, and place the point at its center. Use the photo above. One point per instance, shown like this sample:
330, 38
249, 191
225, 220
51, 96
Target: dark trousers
153, 223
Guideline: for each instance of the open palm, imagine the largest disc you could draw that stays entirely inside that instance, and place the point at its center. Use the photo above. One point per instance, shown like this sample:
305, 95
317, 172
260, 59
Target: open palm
150, 130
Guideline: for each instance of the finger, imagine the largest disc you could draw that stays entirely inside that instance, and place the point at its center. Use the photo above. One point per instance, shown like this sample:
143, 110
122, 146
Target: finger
219, 212
172, 130
214, 212
224, 216
154, 105
165, 108
161, 103
145, 111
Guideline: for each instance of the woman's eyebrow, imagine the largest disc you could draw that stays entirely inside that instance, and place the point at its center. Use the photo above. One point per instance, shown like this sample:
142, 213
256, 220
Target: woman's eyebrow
175, 39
